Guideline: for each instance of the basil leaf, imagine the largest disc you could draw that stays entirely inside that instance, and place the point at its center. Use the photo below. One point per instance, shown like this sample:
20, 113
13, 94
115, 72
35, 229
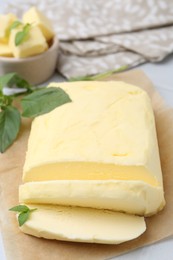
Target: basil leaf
21, 36
32, 209
9, 126
26, 28
1, 101
5, 101
15, 24
20, 208
98, 76
24, 213
43, 101
14, 80
82, 78
23, 217
7, 80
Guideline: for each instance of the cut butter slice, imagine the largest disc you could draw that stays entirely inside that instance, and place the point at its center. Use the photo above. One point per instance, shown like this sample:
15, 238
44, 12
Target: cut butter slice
83, 224
134, 197
107, 133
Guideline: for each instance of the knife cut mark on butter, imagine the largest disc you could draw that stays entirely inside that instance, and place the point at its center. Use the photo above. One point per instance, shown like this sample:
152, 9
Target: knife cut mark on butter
90, 171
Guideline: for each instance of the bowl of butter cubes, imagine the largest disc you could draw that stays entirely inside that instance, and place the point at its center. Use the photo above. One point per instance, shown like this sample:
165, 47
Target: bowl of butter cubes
29, 46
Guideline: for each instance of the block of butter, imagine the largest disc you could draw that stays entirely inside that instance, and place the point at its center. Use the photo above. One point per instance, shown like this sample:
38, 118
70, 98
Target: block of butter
5, 23
83, 224
35, 43
5, 50
98, 151
33, 15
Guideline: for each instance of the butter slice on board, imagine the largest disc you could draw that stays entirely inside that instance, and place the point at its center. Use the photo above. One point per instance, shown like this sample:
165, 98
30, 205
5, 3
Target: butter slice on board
83, 224
37, 18
106, 133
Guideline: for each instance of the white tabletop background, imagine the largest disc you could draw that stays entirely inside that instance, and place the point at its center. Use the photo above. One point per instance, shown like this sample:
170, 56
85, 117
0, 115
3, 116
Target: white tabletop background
161, 74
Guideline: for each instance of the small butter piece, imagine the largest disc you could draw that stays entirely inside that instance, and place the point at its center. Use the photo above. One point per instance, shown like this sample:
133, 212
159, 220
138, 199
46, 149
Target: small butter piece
83, 224
37, 18
5, 50
34, 44
5, 23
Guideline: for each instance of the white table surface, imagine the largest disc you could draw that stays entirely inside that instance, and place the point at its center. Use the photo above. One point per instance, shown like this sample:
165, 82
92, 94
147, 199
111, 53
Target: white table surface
161, 75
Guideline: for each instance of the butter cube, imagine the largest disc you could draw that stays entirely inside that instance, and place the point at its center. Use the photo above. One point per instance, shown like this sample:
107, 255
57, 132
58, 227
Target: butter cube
5, 50
33, 15
34, 44
5, 23
83, 224
102, 148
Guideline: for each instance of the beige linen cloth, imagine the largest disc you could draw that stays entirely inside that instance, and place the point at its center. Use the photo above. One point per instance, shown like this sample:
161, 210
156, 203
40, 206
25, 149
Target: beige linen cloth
100, 35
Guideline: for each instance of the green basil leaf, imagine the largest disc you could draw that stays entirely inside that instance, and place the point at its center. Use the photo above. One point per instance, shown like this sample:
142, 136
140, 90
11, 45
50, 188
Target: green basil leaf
15, 24
7, 80
5, 101
9, 126
1, 100
82, 78
19, 38
43, 101
20, 208
99, 76
26, 28
22, 83
23, 217
22, 35
32, 209
24, 213
14, 80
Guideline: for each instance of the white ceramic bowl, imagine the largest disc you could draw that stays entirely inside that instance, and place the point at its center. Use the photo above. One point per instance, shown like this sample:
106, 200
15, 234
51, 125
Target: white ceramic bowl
35, 69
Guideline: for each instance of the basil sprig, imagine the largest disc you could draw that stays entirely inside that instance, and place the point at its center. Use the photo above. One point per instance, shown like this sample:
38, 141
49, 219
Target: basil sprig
13, 80
22, 35
35, 102
99, 76
24, 213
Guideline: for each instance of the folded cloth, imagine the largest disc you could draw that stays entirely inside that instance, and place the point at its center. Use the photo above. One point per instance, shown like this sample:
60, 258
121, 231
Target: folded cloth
98, 35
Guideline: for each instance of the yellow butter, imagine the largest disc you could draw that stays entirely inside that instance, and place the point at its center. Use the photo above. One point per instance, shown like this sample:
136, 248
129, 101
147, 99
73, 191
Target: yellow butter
34, 44
5, 50
134, 197
33, 15
83, 224
5, 23
107, 133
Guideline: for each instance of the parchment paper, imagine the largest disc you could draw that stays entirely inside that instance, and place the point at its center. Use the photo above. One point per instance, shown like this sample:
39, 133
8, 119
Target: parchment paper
19, 246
